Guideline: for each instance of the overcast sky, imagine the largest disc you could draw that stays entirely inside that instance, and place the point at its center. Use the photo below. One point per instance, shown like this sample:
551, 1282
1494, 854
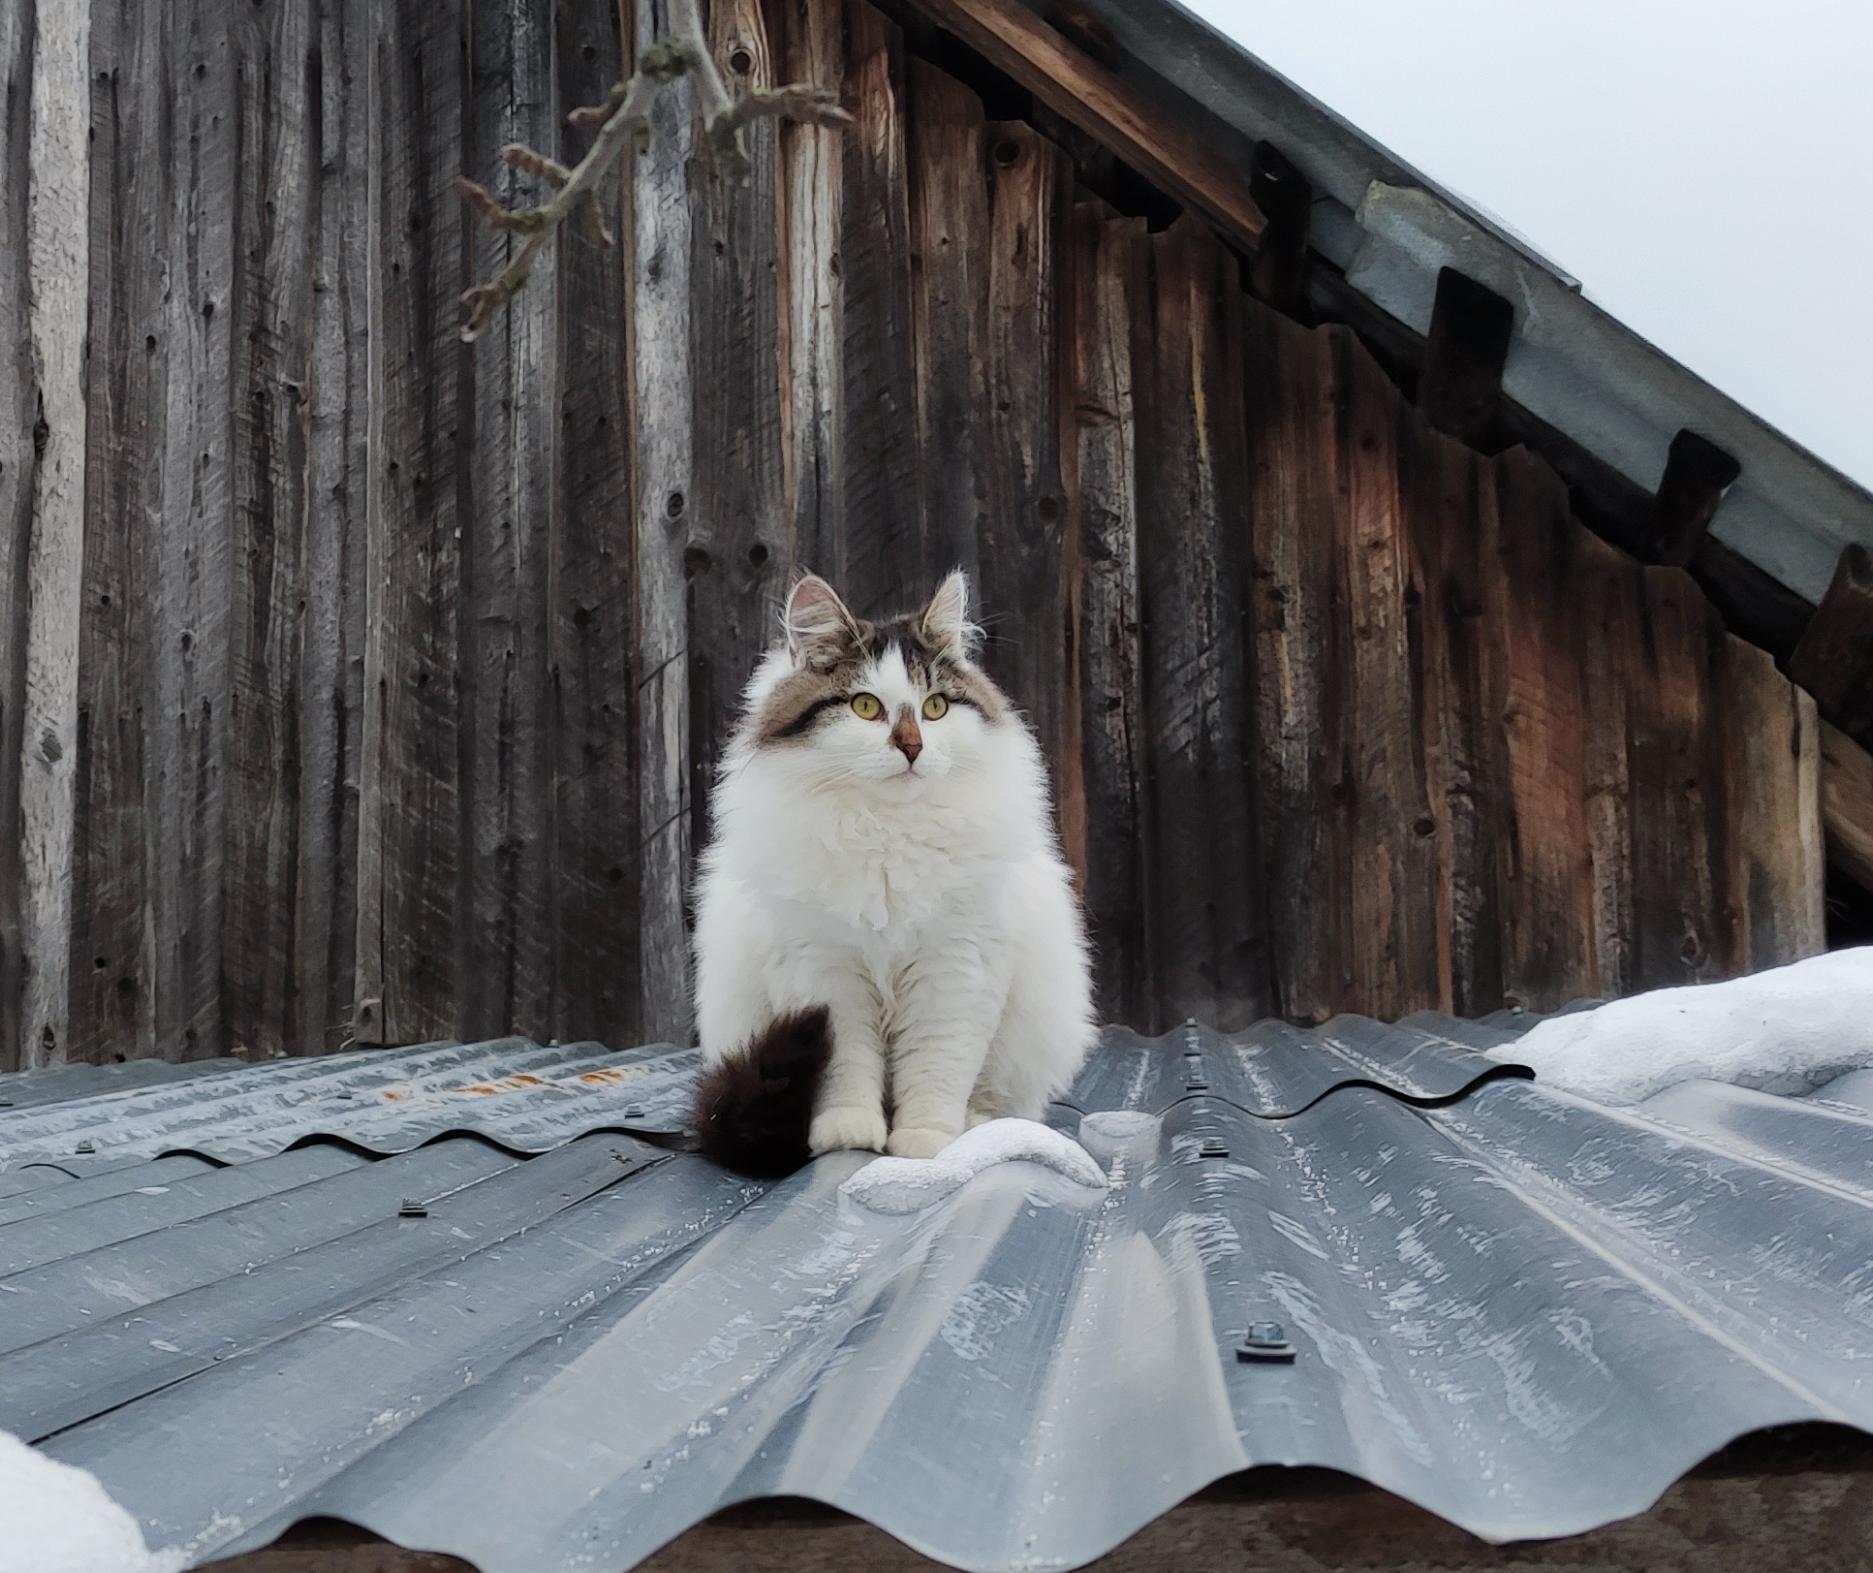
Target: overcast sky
1703, 167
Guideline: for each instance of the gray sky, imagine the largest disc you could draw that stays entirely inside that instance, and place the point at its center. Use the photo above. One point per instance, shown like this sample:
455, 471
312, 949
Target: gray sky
1702, 171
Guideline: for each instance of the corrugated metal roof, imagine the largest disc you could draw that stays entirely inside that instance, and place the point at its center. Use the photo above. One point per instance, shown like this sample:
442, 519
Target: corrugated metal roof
1390, 230
1525, 1312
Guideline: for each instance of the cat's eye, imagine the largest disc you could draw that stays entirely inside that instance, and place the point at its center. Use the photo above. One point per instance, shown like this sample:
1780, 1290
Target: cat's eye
867, 707
935, 708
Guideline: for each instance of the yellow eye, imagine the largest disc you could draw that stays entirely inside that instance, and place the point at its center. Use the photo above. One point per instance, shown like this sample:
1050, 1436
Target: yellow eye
867, 707
935, 708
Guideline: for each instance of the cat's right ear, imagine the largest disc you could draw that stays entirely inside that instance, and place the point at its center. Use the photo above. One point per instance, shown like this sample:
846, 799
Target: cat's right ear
820, 630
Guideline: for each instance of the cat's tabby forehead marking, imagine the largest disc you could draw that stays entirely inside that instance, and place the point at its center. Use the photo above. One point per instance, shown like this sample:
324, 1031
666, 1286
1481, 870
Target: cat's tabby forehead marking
800, 699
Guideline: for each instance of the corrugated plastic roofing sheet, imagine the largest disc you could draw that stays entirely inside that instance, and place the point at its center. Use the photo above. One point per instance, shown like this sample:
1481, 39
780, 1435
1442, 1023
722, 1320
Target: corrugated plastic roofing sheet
1523, 1311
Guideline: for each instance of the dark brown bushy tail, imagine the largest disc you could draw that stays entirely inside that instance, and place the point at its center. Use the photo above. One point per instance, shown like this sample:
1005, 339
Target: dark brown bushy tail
755, 1106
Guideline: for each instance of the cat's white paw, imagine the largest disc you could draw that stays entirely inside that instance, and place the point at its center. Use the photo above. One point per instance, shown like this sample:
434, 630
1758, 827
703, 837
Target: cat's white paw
850, 1126
915, 1142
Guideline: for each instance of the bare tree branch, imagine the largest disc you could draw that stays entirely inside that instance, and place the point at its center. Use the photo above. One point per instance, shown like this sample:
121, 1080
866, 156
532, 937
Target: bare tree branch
624, 117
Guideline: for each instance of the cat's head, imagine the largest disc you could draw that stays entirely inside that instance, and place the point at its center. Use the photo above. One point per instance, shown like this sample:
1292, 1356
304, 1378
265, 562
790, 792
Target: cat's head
891, 705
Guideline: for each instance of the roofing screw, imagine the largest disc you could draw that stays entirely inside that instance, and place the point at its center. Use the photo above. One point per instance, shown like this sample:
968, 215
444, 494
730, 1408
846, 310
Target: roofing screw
634, 1111
6, 1103
1265, 1341
1213, 1147
1196, 1084
87, 1145
411, 1209
346, 1092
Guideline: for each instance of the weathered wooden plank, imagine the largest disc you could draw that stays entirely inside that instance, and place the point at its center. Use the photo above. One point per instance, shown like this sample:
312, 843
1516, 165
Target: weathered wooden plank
1294, 391
504, 966
1101, 103
1847, 803
1206, 904
1544, 872
595, 805
950, 240
1683, 930
112, 1011
1607, 599
808, 46
664, 483
1834, 658
1447, 496
411, 875
1392, 856
18, 416
192, 579
1772, 809
1028, 554
737, 525
878, 478
1108, 287
44, 178
271, 330
339, 458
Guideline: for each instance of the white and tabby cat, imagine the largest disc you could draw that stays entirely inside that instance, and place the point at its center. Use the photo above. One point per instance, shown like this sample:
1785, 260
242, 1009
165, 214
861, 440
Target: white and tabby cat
888, 947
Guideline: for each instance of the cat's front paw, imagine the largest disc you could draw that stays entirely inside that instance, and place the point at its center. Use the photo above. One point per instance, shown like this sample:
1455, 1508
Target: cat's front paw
849, 1127
916, 1142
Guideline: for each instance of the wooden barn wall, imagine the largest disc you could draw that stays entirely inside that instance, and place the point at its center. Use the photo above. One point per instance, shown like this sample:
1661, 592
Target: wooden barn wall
358, 685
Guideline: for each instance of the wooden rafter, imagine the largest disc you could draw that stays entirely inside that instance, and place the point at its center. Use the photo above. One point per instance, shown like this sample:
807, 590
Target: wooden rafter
1847, 804
1089, 95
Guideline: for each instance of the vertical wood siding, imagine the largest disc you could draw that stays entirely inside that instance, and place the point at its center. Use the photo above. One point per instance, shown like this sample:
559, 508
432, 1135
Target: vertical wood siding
357, 685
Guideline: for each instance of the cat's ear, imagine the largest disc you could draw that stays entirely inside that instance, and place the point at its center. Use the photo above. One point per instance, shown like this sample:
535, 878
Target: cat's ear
820, 631
946, 624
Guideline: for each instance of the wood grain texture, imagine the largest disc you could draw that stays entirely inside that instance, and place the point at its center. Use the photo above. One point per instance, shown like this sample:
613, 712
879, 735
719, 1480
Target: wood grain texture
1683, 922
737, 525
1847, 803
1392, 857
1028, 554
54, 74
595, 910
192, 570
879, 481
1100, 102
18, 416
1295, 392
411, 880
949, 221
1533, 678
1206, 904
1771, 775
505, 951
661, 401
111, 1004
1608, 595
338, 489
1834, 658
1109, 285
271, 329
809, 46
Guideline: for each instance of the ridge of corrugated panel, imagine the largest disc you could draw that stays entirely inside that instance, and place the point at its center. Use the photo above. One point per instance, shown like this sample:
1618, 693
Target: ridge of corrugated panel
1524, 1311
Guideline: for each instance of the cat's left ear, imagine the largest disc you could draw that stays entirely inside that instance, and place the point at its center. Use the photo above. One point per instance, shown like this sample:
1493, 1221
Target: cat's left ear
946, 624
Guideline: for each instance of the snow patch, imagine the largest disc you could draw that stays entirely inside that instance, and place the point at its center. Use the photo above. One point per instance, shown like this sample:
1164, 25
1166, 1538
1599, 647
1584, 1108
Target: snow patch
1788, 1030
907, 1185
55, 1518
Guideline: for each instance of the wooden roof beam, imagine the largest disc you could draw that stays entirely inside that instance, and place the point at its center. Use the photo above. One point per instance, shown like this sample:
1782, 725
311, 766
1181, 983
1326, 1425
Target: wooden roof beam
1834, 658
1089, 95
1697, 474
1460, 384
1279, 272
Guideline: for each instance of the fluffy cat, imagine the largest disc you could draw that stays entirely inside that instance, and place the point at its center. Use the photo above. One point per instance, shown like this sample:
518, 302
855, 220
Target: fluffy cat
888, 947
